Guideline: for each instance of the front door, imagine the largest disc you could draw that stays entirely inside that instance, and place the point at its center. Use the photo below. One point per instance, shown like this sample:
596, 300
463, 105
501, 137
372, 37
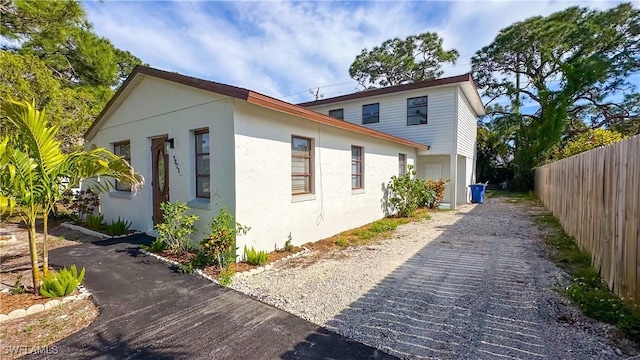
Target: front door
433, 172
160, 182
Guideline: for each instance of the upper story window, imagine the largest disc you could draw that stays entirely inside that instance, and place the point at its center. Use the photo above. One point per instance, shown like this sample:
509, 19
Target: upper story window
402, 164
123, 149
371, 113
417, 110
301, 165
203, 171
356, 167
337, 113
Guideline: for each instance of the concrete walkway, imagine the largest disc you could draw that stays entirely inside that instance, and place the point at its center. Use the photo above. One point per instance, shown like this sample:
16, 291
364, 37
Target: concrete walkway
147, 311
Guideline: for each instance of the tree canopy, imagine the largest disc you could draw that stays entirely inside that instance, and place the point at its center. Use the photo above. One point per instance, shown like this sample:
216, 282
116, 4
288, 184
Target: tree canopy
52, 54
396, 61
569, 66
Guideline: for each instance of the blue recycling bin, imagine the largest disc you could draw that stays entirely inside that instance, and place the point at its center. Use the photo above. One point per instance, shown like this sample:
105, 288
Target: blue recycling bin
477, 193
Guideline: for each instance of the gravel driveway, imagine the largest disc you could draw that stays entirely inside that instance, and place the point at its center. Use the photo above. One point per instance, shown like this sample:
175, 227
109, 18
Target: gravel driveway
468, 284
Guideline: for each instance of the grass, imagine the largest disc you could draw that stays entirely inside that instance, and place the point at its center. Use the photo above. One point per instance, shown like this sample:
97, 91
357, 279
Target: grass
377, 230
587, 290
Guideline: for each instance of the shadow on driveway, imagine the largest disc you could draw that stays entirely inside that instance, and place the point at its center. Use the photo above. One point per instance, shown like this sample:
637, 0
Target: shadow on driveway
480, 290
148, 311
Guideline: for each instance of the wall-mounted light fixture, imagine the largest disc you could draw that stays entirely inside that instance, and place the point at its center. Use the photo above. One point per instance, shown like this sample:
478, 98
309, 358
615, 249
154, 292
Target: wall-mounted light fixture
169, 144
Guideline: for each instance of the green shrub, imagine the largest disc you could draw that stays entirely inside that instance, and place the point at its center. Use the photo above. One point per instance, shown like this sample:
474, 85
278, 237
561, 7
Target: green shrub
176, 228
95, 222
119, 227
407, 193
287, 245
255, 257
203, 259
586, 141
438, 187
62, 283
221, 242
158, 246
226, 276
185, 268
17, 288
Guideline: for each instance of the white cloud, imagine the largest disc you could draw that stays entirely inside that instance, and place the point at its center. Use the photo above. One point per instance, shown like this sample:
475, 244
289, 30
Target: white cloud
283, 48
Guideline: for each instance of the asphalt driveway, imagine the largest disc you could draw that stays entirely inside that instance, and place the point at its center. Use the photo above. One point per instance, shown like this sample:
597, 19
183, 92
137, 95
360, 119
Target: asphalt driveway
148, 311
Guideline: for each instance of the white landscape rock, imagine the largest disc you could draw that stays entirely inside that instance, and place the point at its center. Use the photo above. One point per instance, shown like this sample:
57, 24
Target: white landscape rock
51, 304
17, 313
35, 309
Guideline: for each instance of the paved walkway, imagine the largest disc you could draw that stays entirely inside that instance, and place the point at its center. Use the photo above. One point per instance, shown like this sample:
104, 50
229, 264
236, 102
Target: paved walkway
147, 311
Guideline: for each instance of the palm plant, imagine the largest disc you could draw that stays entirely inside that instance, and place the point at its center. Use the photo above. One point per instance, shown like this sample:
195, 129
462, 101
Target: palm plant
32, 167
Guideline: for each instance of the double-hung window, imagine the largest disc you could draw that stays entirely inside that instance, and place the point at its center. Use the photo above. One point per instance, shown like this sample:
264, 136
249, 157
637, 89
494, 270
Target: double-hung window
357, 163
203, 171
402, 164
123, 148
417, 110
301, 165
337, 114
371, 113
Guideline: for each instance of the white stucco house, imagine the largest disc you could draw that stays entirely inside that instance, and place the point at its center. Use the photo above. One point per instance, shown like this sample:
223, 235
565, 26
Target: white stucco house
281, 168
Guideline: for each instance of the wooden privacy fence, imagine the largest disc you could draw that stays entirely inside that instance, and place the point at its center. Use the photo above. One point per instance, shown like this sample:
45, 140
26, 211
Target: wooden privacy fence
596, 197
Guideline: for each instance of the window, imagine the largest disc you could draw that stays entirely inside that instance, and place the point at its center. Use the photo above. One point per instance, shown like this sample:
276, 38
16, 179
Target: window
123, 149
417, 111
203, 171
371, 113
356, 167
337, 113
301, 166
402, 164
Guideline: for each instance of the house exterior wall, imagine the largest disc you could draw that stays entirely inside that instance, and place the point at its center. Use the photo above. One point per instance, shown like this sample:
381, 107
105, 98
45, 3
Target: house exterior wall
467, 127
155, 108
263, 179
445, 163
438, 133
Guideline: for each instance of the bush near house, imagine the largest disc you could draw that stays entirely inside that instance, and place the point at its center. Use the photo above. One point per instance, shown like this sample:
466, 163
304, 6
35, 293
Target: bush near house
407, 193
176, 228
220, 245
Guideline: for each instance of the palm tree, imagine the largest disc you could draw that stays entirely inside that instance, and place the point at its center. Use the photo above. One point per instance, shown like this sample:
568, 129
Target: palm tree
33, 157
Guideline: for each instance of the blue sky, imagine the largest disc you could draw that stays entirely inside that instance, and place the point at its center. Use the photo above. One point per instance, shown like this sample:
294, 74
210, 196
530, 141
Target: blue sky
285, 48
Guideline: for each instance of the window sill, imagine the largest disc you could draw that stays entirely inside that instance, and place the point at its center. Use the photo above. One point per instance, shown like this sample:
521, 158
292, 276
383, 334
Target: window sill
303, 197
120, 194
357, 191
198, 203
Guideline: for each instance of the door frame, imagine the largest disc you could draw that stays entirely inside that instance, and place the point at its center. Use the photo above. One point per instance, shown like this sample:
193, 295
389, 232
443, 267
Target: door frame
155, 143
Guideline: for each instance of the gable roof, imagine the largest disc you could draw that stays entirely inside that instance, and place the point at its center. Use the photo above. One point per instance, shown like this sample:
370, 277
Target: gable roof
247, 95
465, 81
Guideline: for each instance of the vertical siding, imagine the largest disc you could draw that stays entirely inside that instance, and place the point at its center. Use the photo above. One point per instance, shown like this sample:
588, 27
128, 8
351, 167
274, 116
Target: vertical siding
439, 132
467, 128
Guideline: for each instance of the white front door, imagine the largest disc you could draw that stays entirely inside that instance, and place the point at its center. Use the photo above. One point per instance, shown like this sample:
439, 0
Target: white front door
433, 171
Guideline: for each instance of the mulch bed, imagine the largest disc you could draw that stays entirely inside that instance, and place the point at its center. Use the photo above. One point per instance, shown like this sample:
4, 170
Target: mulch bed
9, 302
214, 272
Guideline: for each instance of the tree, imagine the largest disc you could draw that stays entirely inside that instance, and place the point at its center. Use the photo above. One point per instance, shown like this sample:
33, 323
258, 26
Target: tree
53, 55
586, 141
494, 155
33, 167
72, 109
566, 65
60, 35
397, 61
